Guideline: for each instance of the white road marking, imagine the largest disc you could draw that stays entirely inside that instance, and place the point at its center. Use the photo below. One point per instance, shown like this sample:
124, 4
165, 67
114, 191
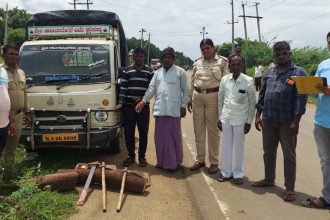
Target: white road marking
224, 207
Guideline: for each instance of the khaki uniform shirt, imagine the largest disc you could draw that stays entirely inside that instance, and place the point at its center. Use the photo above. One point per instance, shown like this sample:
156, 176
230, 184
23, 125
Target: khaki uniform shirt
17, 88
208, 74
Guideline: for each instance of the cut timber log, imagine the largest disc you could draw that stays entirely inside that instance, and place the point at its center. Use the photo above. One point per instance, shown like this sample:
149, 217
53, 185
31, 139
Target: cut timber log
59, 181
135, 182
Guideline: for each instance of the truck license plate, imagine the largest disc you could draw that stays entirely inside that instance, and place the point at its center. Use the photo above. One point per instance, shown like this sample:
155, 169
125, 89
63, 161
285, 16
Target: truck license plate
65, 137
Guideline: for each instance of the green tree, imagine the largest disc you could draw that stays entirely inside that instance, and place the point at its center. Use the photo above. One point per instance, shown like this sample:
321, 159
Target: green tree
309, 58
223, 49
256, 52
17, 18
154, 52
16, 36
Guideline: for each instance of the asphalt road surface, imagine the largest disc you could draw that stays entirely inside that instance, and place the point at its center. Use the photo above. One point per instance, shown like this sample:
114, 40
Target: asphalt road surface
198, 195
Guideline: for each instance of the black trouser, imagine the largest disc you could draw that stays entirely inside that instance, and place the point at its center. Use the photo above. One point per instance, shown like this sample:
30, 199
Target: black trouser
131, 119
257, 82
3, 138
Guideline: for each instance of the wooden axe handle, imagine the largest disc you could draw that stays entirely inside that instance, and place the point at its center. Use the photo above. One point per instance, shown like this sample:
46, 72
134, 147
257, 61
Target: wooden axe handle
122, 190
104, 195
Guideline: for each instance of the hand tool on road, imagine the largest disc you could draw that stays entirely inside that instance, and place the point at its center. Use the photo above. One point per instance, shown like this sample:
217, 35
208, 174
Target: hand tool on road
122, 189
104, 195
84, 192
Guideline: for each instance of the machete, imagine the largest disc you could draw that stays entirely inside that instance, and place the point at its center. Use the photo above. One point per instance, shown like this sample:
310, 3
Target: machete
84, 192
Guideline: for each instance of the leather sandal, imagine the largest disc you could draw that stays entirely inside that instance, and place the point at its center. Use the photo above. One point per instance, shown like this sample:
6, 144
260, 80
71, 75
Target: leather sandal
142, 162
318, 203
128, 161
221, 178
263, 183
196, 166
213, 169
289, 196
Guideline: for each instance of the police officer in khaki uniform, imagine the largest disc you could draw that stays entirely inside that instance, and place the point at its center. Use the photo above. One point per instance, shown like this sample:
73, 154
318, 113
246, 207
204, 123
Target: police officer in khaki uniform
18, 99
204, 87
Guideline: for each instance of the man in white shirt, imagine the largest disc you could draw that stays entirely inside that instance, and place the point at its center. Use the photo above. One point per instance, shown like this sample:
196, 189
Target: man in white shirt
170, 87
257, 76
236, 105
4, 108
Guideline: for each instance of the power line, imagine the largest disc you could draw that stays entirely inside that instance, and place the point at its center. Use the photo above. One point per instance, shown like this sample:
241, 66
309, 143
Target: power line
298, 23
164, 10
272, 6
176, 35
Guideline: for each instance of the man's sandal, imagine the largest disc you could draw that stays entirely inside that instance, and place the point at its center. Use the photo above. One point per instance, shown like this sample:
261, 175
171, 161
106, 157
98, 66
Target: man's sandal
263, 183
318, 203
223, 179
289, 196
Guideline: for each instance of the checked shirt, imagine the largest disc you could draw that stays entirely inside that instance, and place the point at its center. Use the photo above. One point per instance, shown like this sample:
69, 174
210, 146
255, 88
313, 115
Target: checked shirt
278, 99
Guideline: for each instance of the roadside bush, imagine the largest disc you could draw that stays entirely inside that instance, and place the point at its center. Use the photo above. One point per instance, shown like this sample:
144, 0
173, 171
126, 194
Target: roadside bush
33, 202
43, 204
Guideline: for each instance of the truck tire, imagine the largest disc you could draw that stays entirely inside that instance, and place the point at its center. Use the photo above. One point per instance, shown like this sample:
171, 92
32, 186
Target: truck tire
114, 145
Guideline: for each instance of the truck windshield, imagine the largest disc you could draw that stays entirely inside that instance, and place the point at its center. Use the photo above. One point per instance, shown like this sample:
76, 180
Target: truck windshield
49, 63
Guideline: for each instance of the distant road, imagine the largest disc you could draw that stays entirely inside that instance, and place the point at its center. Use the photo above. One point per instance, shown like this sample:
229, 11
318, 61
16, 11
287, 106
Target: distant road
245, 202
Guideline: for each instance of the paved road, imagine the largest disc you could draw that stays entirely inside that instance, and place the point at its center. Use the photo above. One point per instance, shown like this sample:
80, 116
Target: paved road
197, 195
245, 202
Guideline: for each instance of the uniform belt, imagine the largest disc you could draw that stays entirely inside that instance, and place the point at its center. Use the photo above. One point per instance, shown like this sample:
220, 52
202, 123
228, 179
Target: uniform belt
209, 90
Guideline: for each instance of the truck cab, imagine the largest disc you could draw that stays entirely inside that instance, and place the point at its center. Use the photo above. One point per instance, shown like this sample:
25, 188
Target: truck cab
71, 62
155, 64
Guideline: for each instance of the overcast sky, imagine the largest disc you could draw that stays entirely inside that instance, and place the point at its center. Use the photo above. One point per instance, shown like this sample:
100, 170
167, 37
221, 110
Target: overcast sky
178, 23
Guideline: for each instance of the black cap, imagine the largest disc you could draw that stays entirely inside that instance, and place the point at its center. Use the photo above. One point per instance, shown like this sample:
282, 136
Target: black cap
138, 50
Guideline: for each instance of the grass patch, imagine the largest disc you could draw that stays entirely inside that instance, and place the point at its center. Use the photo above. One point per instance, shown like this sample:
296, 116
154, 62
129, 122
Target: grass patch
40, 204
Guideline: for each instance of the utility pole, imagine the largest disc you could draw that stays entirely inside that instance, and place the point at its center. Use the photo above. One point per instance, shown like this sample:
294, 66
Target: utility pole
6, 24
244, 19
203, 32
232, 27
88, 3
148, 49
142, 30
257, 17
75, 2
258, 20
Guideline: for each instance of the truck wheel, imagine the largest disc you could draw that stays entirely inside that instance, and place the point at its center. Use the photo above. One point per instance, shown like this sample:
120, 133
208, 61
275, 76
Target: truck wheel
28, 149
114, 145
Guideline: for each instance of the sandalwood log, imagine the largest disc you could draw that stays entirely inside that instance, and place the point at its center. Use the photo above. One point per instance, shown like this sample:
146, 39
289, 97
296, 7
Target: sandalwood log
135, 182
59, 181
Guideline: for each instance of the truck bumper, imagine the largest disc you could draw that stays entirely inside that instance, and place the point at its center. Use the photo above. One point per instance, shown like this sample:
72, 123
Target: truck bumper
99, 138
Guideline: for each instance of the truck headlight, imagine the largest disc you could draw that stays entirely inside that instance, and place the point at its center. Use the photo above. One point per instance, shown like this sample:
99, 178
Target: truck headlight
101, 116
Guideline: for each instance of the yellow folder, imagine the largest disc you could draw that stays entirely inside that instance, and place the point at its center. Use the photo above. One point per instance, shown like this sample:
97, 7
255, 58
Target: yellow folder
307, 84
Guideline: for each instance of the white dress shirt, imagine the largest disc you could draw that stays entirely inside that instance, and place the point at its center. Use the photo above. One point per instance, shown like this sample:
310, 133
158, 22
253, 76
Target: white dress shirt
170, 89
258, 71
236, 100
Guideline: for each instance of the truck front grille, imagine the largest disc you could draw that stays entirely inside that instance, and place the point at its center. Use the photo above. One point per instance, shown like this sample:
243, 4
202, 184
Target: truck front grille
60, 119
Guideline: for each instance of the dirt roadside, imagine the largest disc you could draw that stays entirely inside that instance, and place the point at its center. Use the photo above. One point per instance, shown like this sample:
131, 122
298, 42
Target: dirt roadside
168, 196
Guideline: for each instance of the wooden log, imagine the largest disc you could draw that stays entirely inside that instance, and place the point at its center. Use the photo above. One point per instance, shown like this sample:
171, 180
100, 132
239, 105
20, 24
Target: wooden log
135, 182
59, 181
